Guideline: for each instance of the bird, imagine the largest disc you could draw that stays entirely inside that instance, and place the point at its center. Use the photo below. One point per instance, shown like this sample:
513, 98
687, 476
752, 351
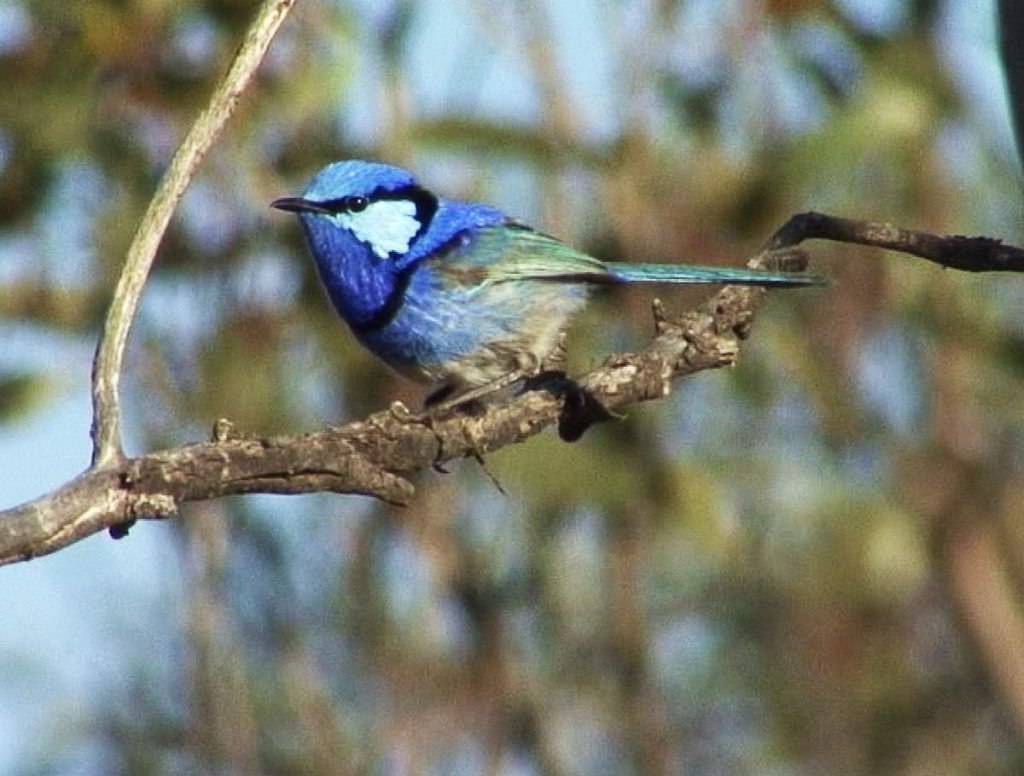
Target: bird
454, 293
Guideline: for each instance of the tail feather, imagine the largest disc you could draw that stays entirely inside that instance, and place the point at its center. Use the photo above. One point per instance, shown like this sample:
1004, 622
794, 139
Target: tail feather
684, 273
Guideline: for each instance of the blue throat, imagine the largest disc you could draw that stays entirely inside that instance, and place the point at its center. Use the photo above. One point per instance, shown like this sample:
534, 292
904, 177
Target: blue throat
367, 289
361, 285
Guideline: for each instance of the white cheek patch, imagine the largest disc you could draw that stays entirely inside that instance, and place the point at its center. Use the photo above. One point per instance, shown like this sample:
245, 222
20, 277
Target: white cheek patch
387, 225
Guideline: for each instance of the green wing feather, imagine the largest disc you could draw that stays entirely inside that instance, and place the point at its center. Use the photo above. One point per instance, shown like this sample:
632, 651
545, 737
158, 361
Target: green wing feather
515, 252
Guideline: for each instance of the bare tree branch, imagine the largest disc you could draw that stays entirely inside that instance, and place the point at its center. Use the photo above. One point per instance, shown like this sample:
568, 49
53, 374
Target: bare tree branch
376, 456
970, 254
106, 373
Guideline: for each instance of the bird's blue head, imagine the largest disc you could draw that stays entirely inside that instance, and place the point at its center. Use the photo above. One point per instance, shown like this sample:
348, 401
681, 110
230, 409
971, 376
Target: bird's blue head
368, 225
379, 205
361, 221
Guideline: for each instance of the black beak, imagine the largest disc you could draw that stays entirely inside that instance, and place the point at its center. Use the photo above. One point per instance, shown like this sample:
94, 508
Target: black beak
299, 205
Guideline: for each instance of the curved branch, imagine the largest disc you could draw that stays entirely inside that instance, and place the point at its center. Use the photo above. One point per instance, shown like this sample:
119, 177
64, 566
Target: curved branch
970, 254
106, 372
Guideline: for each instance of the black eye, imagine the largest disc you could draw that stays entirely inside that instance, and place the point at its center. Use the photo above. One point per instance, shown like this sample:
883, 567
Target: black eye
355, 204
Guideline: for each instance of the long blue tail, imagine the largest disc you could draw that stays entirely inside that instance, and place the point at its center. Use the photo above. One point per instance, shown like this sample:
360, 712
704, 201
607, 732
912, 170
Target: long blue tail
684, 273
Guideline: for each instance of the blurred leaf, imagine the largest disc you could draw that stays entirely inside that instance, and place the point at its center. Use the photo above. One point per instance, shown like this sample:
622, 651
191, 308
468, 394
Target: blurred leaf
20, 394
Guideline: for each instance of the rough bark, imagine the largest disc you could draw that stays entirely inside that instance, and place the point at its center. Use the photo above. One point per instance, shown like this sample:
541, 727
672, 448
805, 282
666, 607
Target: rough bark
377, 456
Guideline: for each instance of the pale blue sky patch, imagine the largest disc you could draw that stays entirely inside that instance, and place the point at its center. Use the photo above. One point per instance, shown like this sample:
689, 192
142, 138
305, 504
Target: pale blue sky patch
65, 226
828, 47
405, 575
208, 216
157, 135
19, 256
195, 42
177, 308
683, 654
479, 71
15, 27
889, 375
968, 47
790, 97
266, 281
698, 52
880, 17
583, 49
29, 347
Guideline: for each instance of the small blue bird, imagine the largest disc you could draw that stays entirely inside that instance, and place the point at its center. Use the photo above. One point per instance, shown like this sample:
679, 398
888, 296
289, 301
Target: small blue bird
456, 293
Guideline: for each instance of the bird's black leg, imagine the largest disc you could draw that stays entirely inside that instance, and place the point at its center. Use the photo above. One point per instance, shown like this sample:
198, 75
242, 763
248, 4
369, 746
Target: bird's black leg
430, 405
438, 396
442, 401
478, 392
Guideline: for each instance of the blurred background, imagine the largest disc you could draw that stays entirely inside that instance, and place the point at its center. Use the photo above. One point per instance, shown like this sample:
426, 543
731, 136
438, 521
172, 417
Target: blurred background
810, 564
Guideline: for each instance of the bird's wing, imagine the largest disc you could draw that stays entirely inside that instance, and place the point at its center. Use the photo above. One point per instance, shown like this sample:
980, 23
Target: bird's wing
514, 252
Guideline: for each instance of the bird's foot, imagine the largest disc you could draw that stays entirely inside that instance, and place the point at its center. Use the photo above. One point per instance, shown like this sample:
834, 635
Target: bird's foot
403, 414
442, 402
580, 411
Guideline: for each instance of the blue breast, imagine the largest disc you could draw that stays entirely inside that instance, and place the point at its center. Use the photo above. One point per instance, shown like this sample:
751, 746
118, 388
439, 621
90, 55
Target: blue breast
473, 332
428, 327
395, 306
360, 284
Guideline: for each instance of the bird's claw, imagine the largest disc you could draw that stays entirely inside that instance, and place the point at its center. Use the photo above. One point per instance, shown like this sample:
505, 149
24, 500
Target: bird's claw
403, 414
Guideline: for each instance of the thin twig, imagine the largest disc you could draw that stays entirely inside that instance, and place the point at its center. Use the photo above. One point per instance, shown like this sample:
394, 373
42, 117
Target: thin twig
106, 373
970, 254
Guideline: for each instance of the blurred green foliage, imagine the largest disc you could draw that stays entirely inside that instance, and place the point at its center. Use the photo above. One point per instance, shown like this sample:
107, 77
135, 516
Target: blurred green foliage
775, 572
